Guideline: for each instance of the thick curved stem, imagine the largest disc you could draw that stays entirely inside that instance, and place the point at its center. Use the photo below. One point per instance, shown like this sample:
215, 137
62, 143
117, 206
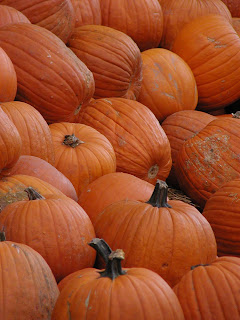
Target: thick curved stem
33, 194
159, 196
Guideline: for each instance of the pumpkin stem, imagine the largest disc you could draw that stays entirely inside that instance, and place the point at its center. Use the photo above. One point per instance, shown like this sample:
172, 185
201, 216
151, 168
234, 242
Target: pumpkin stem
199, 265
2, 236
33, 194
72, 141
101, 247
159, 195
236, 115
112, 259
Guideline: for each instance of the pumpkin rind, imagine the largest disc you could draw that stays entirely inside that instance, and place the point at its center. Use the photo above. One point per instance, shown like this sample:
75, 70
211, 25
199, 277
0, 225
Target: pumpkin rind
87, 12
8, 78
10, 15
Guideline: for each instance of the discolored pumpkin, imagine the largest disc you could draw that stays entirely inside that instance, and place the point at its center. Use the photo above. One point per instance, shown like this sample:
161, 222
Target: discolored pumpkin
112, 56
28, 289
165, 237
141, 146
50, 77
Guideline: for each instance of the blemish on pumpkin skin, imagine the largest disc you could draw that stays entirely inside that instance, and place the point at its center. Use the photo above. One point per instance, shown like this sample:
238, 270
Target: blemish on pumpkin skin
121, 141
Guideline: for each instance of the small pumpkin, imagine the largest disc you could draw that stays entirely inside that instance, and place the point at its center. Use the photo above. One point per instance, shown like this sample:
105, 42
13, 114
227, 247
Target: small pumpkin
167, 237
120, 291
57, 228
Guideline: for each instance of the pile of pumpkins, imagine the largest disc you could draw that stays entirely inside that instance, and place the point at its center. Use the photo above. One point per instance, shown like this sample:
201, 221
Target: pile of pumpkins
103, 105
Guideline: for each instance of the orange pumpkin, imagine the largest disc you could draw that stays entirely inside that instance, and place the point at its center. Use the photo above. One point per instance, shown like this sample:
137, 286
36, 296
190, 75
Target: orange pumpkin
212, 50
33, 129
82, 153
50, 77
177, 13
165, 237
57, 228
142, 20
56, 15
28, 289
39, 168
8, 78
110, 188
112, 56
168, 83
10, 15
211, 291
141, 146
10, 142
87, 12
236, 25
134, 293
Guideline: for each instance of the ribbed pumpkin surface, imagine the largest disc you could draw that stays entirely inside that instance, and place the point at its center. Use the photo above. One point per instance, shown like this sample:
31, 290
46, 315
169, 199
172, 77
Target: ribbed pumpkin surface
8, 78
87, 12
50, 77
10, 15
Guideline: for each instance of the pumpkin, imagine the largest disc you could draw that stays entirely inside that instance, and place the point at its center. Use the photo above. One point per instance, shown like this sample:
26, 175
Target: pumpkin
144, 24
39, 168
28, 289
87, 12
50, 77
177, 13
168, 83
222, 212
236, 24
10, 142
33, 129
209, 159
57, 228
112, 56
212, 51
179, 127
110, 188
121, 292
82, 153
141, 146
233, 6
56, 15
10, 15
12, 189
8, 78
211, 291
165, 237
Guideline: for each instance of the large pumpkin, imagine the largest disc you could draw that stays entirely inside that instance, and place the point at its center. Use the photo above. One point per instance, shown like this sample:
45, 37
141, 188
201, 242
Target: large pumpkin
223, 213
55, 15
142, 20
82, 153
209, 159
168, 83
10, 15
39, 168
141, 146
111, 188
211, 291
112, 56
87, 12
57, 228
212, 50
166, 237
28, 289
8, 78
33, 129
116, 293
177, 13
50, 77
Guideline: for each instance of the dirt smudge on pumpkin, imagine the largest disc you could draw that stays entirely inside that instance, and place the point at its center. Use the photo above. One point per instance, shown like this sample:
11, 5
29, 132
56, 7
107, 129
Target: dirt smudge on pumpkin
121, 141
